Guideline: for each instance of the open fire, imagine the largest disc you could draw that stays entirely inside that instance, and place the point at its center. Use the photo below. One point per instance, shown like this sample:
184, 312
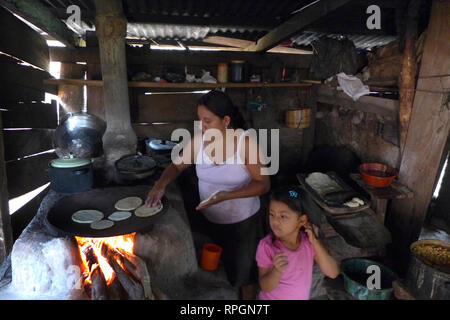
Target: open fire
111, 270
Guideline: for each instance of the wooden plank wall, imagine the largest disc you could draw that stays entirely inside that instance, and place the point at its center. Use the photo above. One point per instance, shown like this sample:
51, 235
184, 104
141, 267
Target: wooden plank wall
28, 122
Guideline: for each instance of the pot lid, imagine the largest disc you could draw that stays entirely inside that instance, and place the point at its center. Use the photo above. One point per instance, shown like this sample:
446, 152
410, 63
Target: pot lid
135, 163
69, 162
157, 144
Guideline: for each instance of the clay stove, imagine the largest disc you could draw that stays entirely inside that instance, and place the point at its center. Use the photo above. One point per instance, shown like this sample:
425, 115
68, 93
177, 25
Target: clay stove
47, 263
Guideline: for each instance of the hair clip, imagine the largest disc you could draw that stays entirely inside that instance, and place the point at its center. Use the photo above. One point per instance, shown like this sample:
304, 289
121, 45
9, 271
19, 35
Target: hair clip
293, 194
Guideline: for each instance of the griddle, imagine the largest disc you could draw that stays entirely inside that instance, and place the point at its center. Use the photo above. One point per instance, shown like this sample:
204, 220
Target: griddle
333, 207
104, 199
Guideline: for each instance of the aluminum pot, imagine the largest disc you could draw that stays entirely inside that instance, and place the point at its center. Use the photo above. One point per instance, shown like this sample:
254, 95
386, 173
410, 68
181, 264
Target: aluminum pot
79, 134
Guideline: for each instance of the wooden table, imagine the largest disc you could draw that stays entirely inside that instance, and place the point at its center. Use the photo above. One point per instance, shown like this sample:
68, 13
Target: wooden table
380, 196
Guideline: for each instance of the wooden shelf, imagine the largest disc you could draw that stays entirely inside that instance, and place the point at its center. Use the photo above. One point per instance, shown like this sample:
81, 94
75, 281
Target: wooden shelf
185, 85
381, 106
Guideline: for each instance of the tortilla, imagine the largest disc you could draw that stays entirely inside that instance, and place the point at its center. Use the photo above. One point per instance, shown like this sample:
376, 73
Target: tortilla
119, 215
210, 197
144, 211
87, 216
128, 204
102, 224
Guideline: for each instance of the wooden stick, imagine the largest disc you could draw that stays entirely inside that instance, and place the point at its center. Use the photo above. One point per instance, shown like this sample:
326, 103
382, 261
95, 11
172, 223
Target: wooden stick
139, 270
133, 288
98, 285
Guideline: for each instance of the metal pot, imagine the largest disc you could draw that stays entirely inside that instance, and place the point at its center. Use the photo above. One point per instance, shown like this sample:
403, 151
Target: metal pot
135, 167
70, 174
79, 134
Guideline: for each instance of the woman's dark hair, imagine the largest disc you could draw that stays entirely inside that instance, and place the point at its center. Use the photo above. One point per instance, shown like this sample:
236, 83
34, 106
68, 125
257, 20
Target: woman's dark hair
221, 105
292, 196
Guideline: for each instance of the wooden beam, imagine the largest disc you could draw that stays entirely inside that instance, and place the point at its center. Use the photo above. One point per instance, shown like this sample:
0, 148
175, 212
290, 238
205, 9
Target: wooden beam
427, 135
5, 220
239, 43
296, 23
183, 85
39, 15
11, 30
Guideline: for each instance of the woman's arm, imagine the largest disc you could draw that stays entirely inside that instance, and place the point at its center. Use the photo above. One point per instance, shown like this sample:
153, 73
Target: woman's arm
171, 173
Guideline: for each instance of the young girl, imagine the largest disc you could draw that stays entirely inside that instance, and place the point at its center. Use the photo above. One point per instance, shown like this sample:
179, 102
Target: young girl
285, 258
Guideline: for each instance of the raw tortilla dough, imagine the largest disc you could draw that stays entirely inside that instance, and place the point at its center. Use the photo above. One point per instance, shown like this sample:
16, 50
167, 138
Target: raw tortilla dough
322, 183
87, 216
143, 211
119, 215
210, 197
128, 204
354, 203
102, 224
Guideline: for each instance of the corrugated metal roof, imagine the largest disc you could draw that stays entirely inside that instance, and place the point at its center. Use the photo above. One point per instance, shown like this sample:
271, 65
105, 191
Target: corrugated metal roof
360, 41
184, 20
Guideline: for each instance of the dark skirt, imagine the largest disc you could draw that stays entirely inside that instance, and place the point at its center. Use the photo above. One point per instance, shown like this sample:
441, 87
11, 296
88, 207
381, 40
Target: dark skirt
239, 242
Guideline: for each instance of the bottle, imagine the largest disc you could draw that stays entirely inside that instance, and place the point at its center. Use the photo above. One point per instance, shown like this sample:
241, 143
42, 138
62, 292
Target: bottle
237, 70
222, 72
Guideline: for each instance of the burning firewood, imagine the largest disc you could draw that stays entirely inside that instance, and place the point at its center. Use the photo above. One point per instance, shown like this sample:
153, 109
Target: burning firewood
97, 290
133, 288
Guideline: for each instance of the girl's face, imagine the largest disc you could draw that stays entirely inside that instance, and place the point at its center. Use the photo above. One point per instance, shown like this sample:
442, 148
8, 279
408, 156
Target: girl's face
284, 221
210, 120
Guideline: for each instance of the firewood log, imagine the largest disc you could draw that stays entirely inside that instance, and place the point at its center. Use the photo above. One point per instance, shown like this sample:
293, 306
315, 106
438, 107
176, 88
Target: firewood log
133, 288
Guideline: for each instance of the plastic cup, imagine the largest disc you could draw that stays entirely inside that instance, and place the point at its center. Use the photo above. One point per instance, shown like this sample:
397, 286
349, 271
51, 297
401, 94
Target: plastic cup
210, 256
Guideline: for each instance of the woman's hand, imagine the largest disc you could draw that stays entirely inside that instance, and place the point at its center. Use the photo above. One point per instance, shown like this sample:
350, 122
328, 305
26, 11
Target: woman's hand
280, 262
154, 196
218, 197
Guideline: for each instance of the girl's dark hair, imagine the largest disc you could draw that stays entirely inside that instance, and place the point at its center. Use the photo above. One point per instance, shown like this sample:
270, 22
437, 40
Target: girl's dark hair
292, 196
221, 105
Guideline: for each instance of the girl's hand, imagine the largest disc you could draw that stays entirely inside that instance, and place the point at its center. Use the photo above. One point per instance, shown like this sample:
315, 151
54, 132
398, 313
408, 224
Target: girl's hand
280, 262
219, 197
154, 196
311, 231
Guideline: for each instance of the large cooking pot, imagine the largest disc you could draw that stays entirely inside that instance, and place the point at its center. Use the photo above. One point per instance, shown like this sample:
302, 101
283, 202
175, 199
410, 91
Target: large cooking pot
79, 134
68, 175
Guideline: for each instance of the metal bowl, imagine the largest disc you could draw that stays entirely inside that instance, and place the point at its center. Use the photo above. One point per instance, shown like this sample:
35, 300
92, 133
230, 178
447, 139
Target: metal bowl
79, 134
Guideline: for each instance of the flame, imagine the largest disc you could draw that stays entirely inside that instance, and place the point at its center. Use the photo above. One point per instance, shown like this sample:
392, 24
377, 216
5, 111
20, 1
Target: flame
124, 243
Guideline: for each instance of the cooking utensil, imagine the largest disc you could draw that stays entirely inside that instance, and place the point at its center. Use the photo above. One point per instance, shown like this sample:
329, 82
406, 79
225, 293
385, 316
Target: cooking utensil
79, 134
332, 206
59, 216
377, 175
135, 166
70, 174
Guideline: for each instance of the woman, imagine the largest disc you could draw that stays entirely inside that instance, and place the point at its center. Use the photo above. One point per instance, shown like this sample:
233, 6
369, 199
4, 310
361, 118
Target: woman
231, 173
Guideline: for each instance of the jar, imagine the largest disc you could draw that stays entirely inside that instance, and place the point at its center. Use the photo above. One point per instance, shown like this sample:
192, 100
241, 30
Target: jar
222, 72
237, 71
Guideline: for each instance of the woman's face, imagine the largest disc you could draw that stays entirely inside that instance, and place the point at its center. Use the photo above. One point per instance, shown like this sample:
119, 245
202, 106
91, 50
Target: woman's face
283, 220
210, 120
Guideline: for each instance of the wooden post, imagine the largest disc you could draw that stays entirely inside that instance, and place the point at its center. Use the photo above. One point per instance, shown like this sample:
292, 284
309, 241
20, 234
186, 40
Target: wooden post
111, 26
407, 79
427, 135
5, 221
